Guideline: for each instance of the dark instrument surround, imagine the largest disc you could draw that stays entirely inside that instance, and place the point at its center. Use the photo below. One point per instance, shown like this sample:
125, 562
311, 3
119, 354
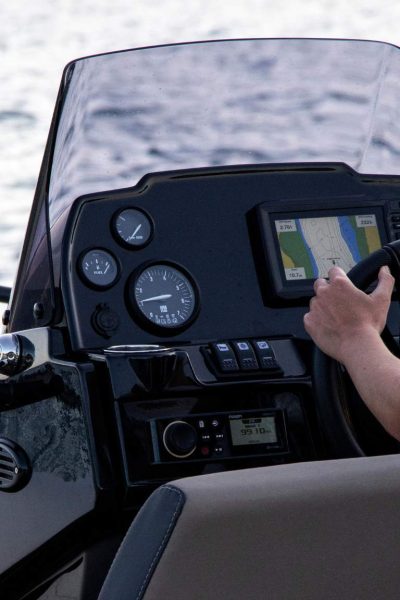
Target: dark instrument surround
203, 221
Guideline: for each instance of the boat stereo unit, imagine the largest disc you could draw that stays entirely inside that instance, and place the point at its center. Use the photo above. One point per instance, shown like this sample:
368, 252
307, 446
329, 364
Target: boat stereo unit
210, 436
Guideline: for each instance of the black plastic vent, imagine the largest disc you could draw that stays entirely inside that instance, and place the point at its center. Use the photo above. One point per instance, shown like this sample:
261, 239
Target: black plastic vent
14, 466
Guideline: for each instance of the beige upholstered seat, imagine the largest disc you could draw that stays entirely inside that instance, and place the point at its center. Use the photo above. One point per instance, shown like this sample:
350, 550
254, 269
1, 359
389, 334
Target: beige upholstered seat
312, 531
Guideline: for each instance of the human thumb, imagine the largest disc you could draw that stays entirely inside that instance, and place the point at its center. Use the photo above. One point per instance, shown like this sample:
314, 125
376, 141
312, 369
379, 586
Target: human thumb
385, 283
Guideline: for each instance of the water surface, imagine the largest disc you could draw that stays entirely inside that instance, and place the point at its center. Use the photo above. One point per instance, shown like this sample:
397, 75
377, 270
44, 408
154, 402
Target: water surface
38, 38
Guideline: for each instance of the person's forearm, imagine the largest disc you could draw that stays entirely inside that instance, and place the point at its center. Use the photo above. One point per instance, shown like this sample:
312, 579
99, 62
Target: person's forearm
375, 372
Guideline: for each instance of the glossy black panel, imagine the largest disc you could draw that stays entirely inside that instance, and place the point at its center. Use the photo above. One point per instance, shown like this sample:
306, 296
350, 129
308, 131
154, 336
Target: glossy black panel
204, 221
61, 490
138, 425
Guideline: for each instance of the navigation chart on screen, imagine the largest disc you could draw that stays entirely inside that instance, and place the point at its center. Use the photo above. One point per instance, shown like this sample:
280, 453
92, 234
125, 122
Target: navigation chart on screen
311, 246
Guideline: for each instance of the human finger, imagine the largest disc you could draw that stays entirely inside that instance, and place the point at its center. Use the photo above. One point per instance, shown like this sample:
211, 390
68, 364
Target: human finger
320, 282
336, 271
310, 304
307, 322
385, 283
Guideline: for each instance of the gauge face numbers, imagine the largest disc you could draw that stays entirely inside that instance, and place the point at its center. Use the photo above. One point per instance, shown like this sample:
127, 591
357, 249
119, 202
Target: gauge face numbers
132, 228
99, 268
164, 296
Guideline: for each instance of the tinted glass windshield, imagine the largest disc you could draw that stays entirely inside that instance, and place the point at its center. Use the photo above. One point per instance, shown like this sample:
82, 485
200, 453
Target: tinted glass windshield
218, 103
123, 115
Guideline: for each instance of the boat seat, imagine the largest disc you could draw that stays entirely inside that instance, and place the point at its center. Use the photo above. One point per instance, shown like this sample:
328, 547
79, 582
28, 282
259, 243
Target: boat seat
316, 530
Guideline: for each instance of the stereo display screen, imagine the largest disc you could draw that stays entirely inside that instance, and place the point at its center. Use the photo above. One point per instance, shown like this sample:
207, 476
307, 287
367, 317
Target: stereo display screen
253, 430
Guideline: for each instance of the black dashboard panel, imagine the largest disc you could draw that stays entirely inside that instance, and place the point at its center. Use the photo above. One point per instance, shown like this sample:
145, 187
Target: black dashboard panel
205, 223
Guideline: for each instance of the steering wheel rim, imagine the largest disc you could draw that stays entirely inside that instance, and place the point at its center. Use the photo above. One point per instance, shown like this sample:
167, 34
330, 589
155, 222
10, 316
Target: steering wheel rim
329, 393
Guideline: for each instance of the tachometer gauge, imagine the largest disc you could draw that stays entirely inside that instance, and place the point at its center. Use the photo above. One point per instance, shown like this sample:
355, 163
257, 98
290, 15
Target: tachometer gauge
163, 296
98, 268
132, 228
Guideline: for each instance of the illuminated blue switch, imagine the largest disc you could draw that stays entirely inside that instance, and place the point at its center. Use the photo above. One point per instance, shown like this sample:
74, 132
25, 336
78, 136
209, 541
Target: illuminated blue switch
224, 357
245, 355
265, 355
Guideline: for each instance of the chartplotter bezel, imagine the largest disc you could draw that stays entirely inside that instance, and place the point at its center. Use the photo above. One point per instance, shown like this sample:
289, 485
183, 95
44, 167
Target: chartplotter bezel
273, 271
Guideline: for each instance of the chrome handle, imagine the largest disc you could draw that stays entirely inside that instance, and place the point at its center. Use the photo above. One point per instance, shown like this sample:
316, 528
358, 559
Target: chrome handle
13, 357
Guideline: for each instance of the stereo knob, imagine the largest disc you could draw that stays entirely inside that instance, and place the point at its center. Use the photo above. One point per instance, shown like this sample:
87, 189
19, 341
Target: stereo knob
180, 439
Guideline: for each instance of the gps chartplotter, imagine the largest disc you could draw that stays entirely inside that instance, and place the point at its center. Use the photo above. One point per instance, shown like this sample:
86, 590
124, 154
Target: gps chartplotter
304, 242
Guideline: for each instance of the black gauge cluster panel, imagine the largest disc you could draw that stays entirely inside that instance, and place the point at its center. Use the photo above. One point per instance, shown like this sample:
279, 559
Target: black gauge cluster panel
200, 256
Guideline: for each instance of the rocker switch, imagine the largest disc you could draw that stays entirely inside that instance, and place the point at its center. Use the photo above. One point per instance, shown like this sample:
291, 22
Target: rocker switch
224, 357
246, 357
265, 355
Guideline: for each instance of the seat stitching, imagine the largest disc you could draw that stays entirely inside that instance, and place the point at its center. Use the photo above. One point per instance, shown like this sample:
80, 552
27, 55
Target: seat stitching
176, 491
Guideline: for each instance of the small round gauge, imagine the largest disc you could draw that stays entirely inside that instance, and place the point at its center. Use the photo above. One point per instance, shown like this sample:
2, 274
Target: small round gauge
163, 295
132, 227
99, 268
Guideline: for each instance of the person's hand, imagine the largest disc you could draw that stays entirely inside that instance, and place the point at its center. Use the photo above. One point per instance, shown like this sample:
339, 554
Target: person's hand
342, 317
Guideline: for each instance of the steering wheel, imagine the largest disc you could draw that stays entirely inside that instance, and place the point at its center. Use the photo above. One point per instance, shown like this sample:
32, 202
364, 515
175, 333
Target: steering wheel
332, 386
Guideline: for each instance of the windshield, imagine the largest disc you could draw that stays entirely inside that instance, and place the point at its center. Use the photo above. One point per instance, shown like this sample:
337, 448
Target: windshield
123, 115
221, 103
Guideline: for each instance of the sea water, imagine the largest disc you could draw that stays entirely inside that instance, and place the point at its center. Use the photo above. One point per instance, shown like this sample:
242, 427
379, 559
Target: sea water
38, 38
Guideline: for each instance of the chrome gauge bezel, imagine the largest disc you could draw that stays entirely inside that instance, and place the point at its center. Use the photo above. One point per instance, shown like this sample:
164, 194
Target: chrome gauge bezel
117, 236
141, 318
82, 273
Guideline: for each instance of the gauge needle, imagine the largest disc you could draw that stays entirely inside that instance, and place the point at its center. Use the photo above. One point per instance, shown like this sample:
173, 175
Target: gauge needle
135, 232
162, 297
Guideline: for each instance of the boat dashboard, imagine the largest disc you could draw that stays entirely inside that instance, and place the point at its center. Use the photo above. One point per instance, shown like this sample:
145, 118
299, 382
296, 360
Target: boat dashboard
204, 256
181, 340
191, 289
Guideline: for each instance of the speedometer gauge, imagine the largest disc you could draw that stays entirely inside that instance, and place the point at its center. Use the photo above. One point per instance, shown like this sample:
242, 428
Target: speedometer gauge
163, 296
